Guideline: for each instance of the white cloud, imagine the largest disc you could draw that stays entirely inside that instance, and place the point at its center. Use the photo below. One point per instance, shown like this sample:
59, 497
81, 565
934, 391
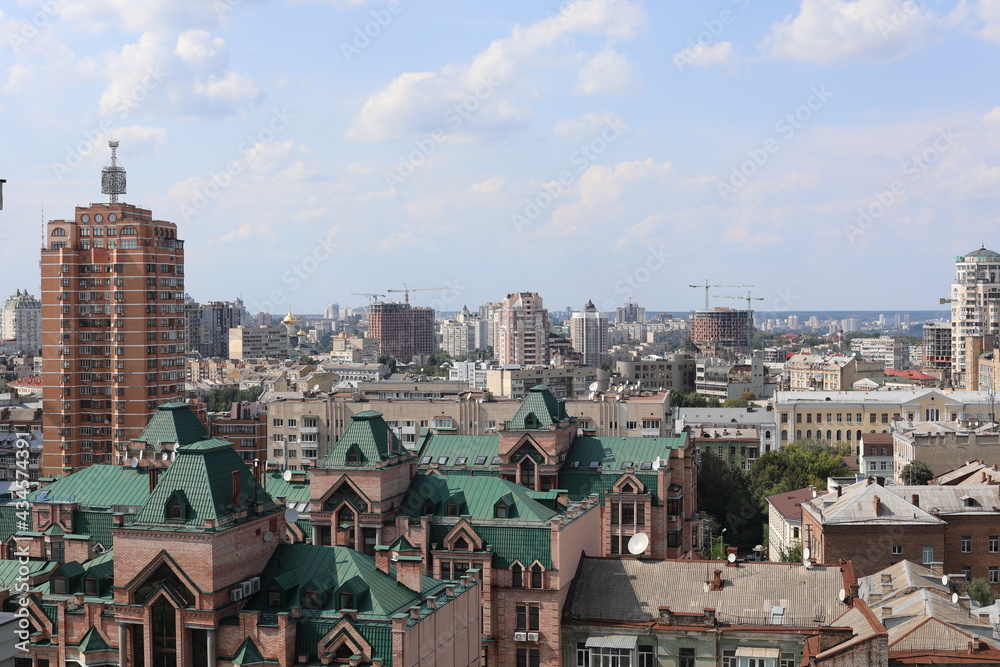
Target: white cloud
588, 126
720, 53
144, 15
988, 13
606, 73
480, 98
834, 31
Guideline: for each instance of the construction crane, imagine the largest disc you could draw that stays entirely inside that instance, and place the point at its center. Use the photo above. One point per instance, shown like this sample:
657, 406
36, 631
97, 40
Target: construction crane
749, 315
707, 286
406, 291
371, 296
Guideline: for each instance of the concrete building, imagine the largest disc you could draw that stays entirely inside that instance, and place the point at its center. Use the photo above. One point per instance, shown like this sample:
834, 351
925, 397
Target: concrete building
589, 335
763, 420
890, 352
784, 522
943, 446
937, 350
565, 381
208, 326
472, 372
113, 328
522, 330
458, 338
721, 332
973, 312
21, 322
258, 342
808, 372
675, 371
630, 313
875, 454
724, 380
403, 331
332, 311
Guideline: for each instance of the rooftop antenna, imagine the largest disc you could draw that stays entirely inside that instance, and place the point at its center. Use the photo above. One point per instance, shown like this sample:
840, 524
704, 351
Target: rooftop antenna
113, 175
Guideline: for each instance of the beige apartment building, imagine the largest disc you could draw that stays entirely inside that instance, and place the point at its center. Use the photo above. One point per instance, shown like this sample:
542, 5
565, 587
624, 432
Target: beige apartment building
301, 431
258, 342
828, 373
564, 381
674, 371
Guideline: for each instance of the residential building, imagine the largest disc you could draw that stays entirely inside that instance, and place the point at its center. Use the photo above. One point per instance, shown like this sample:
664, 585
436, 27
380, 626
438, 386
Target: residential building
675, 371
875, 454
784, 522
589, 334
764, 420
458, 338
472, 372
721, 332
208, 326
944, 446
565, 381
890, 352
807, 372
113, 327
21, 322
937, 350
332, 311
952, 529
264, 342
725, 379
633, 611
521, 330
631, 312
738, 447
244, 425
487, 314
403, 331
973, 317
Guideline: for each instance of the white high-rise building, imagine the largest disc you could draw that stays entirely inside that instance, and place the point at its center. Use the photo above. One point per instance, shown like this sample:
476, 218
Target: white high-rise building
589, 334
975, 312
522, 330
21, 320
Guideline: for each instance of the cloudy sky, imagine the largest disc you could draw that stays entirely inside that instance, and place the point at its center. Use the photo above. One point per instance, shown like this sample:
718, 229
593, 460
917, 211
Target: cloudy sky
833, 154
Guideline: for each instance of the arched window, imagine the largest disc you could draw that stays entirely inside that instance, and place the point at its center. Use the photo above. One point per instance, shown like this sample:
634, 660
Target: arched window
839, 435
809, 434
536, 576
516, 579
767, 435
128, 229
528, 473
58, 231
829, 435
345, 515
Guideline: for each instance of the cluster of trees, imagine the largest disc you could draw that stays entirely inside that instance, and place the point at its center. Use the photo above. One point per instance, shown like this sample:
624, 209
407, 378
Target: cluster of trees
222, 398
680, 399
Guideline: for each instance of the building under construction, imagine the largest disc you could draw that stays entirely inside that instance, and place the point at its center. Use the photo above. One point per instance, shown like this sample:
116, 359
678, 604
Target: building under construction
721, 332
403, 331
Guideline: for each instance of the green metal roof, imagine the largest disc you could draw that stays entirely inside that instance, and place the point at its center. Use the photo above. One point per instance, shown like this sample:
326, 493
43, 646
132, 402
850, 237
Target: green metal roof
299, 564
369, 437
510, 543
101, 569
539, 410
9, 570
581, 483
99, 485
451, 448
613, 453
476, 496
310, 631
249, 654
293, 492
95, 524
93, 642
172, 422
8, 521
203, 474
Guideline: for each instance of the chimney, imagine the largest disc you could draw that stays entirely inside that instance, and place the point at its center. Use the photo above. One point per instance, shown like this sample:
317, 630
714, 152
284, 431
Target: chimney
886, 611
886, 578
153, 474
878, 506
840, 490
915, 500
382, 560
869, 481
408, 572
236, 488
717, 580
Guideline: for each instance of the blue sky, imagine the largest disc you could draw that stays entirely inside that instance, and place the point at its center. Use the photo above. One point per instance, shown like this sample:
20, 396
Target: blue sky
833, 154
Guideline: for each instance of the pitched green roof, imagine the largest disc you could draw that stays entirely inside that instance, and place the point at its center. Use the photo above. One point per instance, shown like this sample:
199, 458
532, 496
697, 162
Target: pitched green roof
368, 437
310, 631
96, 524
99, 485
447, 450
614, 453
476, 495
202, 475
297, 565
249, 654
172, 422
293, 492
539, 410
509, 543
93, 642
9, 571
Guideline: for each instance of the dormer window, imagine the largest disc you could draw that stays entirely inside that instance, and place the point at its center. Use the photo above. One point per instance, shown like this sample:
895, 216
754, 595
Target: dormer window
90, 586
346, 600
59, 585
427, 508
461, 545
310, 599
274, 596
500, 511
451, 508
175, 509
352, 456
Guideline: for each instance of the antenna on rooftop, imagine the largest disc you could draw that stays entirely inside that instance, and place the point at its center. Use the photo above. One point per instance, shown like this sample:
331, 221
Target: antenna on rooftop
113, 175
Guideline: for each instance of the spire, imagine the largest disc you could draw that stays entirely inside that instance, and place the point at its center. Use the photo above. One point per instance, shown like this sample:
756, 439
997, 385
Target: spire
113, 175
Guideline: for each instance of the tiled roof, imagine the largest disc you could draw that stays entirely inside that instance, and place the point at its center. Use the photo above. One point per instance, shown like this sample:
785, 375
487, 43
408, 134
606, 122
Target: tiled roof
172, 422
539, 410
203, 473
451, 448
632, 590
95, 524
789, 505
476, 496
369, 437
876, 438
98, 485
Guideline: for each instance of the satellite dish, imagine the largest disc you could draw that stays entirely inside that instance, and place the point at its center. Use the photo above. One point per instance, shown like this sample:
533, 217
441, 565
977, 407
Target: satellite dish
944, 579
268, 536
134, 463
291, 515
806, 553
842, 595
287, 476
807, 564
164, 456
954, 598
731, 558
656, 463
638, 543
173, 455
593, 386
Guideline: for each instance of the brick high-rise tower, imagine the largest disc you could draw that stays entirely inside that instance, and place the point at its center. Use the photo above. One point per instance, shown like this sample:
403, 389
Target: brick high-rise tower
112, 327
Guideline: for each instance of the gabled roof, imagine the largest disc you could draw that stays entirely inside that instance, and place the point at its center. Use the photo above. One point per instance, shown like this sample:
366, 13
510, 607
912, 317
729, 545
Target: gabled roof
172, 423
369, 436
900, 578
451, 448
98, 485
857, 505
539, 410
789, 505
249, 654
203, 472
479, 495
612, 453
93, 642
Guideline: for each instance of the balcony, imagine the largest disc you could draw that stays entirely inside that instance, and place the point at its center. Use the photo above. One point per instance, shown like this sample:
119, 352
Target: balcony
651, 432
308, 429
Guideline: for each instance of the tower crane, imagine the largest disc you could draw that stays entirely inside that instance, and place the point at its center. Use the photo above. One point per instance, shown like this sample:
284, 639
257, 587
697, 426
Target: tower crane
406, 291
749, 315
371, 296
707, 286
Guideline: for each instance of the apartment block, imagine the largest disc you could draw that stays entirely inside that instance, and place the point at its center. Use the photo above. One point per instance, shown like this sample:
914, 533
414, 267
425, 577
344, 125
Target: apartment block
589, 335
937, 351
721, 331
403, 331
973, 315
890, 352
208, 326
247, 342
21, 323
674, 371
522, 330
828, 372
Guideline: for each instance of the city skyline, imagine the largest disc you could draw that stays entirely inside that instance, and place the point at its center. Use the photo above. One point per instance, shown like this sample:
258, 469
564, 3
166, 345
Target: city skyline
604, 149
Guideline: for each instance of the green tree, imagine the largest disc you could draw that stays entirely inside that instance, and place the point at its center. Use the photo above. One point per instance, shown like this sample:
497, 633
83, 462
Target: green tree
748, 396
979, 590
389, 361
793, 555
724, 494
222, 398
795, 466
916, 473
735, 403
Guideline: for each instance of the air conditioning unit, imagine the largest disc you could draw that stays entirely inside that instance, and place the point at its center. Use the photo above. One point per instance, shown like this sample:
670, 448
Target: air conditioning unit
247, 588
520, 636
255, 584
532, 636
236, 594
